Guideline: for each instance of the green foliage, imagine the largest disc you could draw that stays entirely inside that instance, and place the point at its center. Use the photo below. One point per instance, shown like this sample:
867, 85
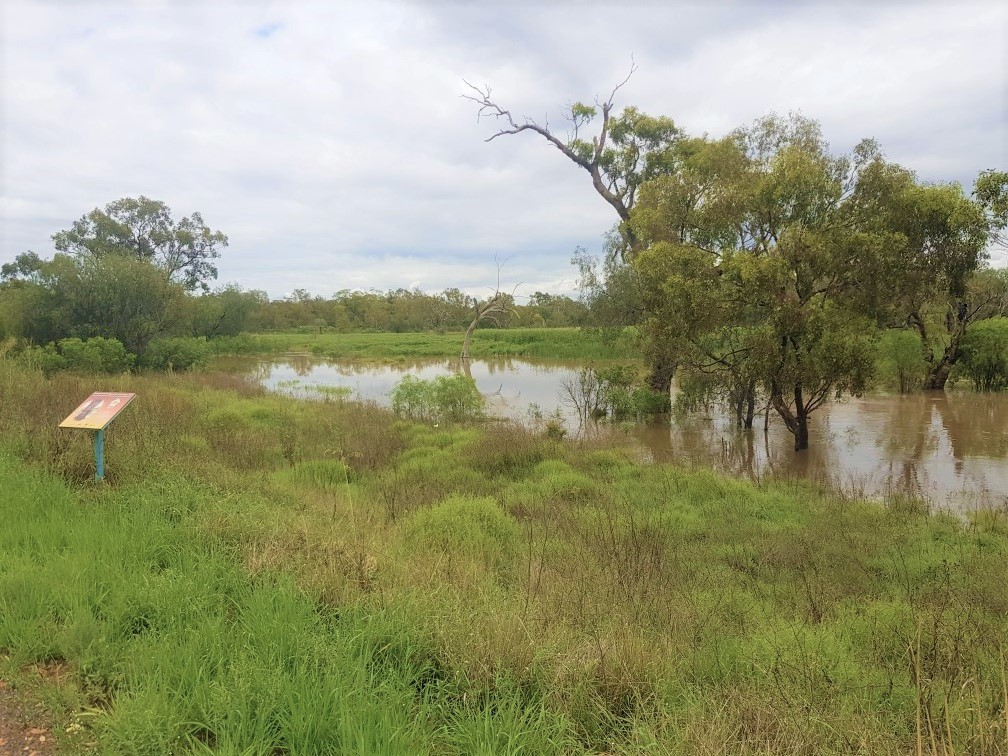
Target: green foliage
226, 312
176, 354
901, 364
143, 229
467, 527
95, 355
445, 398
753, 270
985, 354
112, 296
623, 396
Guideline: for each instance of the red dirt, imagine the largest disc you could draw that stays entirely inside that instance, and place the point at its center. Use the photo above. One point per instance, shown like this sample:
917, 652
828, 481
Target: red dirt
24, 727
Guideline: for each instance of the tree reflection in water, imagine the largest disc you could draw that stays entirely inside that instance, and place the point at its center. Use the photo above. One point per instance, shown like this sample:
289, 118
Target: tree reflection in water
950, 448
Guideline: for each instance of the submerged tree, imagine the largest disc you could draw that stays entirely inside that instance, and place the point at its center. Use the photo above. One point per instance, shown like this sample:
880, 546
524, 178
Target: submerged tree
753, 268
935, 280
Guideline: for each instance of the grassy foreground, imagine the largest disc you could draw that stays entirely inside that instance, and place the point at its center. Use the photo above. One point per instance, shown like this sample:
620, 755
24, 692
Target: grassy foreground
262, 575
551, 343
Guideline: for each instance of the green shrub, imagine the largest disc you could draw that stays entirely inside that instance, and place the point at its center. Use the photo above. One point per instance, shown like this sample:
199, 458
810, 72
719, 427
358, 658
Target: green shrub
452, 398
901, 361
985, 354
176, 354
47, 359
95, 355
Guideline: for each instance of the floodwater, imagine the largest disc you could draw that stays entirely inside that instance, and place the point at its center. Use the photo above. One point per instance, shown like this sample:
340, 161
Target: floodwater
951, 448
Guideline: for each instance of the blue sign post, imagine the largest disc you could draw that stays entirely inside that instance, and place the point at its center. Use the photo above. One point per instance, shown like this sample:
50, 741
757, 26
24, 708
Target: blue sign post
99, 454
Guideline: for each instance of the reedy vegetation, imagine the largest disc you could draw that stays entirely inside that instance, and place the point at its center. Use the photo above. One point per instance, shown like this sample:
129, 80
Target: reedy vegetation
474, 589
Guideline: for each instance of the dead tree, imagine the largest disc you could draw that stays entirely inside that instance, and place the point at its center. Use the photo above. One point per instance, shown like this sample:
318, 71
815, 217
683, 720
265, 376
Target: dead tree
628, 149
588, 156
498, 305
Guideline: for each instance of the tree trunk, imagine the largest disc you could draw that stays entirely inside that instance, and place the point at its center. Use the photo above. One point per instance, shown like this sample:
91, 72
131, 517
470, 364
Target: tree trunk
795, 421
662, 372
468, 337
750, 405
938, 375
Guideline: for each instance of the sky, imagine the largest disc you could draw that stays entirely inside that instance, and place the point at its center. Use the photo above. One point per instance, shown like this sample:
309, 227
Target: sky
331, 143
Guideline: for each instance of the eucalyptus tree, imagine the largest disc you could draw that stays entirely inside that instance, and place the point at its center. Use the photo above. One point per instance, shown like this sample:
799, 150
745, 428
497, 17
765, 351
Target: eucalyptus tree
112, 296
183, 249
936, 282
753, 265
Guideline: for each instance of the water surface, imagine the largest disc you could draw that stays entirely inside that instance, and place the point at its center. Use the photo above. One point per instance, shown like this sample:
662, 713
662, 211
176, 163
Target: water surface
951, 448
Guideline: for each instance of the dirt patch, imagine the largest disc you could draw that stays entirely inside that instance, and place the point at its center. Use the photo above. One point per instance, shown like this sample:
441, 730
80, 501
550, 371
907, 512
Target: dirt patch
23, 727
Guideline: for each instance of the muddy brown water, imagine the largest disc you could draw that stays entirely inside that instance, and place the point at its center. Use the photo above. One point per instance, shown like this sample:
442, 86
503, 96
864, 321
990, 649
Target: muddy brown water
951, 448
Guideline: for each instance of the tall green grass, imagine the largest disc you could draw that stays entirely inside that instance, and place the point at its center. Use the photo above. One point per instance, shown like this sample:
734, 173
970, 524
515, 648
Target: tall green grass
550, 343
262, 573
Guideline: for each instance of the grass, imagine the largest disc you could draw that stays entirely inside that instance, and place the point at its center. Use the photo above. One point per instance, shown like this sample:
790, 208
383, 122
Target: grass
551, 343
261, 575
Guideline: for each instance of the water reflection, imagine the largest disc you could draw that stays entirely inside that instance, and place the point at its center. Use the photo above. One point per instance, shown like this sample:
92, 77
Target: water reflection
949, 447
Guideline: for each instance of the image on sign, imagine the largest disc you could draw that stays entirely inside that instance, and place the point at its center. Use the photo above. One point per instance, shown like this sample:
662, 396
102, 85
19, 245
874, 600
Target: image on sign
97, 410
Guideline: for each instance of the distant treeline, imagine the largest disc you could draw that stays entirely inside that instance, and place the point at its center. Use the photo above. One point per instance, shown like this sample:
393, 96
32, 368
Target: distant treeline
132, 272
44, 311
407, 310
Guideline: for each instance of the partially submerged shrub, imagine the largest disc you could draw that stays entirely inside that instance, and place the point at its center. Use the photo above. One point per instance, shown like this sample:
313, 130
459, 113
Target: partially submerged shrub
901, 361
615, 392
452, 398
176, 354
985, 354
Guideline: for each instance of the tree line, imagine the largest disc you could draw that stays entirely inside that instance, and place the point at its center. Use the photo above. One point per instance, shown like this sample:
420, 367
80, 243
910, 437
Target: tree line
762, 267
133, 273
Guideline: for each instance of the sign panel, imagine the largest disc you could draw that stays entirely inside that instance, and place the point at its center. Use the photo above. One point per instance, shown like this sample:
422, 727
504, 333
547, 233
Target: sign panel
97, 410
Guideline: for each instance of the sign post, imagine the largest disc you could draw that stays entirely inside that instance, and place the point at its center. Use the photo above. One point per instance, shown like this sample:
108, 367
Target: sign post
95, 413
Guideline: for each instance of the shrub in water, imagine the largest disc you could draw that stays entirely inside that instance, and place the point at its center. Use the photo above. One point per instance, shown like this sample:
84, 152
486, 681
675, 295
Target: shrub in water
176, 354
985, 354
901, 360
449, 398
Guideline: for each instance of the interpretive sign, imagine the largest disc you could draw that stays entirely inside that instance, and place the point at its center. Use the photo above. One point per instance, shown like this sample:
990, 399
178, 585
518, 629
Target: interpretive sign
97, 410
95, 413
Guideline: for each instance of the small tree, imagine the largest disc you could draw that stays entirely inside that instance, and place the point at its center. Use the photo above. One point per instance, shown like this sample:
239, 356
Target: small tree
985, 354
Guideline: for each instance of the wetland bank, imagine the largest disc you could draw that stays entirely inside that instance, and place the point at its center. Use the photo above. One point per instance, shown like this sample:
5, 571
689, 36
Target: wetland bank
579, 541
264, 573
950, 448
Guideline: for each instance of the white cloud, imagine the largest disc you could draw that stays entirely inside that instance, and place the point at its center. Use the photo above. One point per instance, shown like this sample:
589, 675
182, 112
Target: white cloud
331, 144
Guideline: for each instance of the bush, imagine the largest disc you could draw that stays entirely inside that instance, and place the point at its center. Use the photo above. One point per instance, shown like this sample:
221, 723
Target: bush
901, 361
985, 354
46, 359
446, 398
95, 355
614, 391
176, 354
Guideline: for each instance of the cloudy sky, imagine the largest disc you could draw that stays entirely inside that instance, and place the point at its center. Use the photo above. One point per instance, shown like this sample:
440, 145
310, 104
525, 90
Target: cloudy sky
330, 141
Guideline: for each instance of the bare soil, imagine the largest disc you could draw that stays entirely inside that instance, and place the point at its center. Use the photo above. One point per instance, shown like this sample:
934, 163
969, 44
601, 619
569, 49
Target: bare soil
25, 728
